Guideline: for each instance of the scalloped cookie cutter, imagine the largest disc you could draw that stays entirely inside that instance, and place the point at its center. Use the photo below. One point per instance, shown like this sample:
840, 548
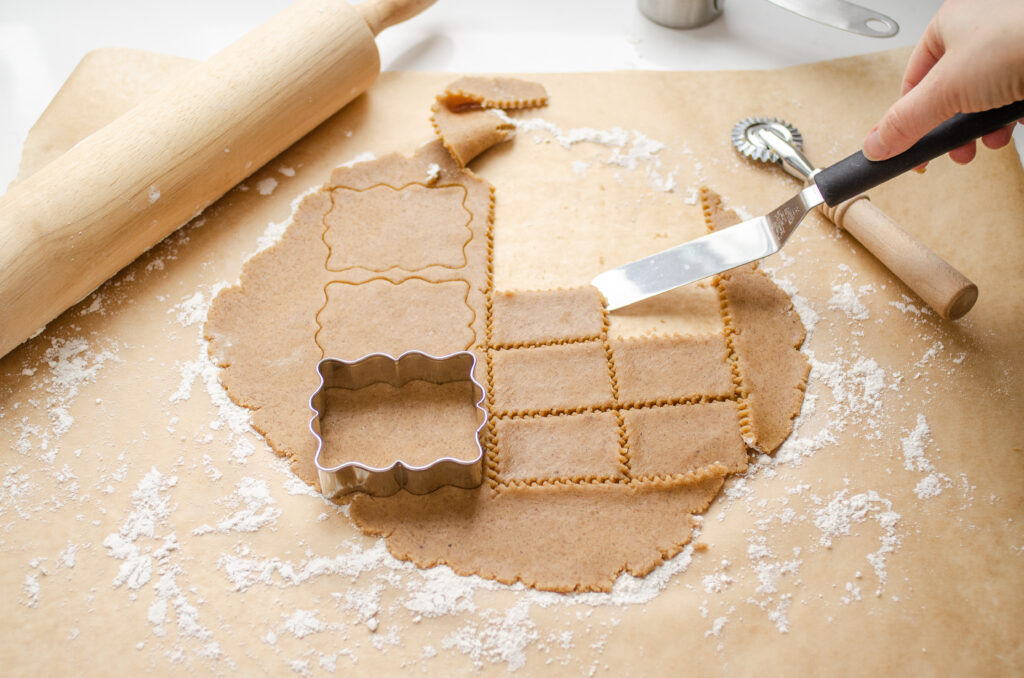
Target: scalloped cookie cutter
380, 368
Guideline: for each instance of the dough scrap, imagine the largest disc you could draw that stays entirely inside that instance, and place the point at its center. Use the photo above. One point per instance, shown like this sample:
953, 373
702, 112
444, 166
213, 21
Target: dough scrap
493, 92
597, 446
467, 134
468, 117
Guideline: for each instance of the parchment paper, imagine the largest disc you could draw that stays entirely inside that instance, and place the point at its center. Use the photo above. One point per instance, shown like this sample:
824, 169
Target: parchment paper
117, 436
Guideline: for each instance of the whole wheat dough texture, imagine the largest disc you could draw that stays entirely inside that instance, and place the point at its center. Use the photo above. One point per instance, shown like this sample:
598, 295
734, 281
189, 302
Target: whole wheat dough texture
589, 435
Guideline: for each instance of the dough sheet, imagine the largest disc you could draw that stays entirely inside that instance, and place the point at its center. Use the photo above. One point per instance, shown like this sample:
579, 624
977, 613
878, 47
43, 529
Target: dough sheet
671, 418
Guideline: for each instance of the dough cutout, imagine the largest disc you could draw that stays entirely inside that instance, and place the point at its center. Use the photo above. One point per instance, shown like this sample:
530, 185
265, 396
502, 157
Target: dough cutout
416, 423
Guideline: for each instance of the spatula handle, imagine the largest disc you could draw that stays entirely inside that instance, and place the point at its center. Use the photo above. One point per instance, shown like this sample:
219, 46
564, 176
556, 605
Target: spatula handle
856, 174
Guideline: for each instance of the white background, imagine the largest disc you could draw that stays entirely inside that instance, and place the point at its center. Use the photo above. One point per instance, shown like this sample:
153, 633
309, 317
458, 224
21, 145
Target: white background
41, 41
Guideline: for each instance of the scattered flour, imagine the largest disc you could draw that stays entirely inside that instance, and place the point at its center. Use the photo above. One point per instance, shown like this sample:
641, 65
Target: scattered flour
255, 509
366, 156
842, 512
266, 186
629, 150
151, 507
433, 173
847, 299
913, 445
154, 194
72, 364
303, 623
501, 638
31, 588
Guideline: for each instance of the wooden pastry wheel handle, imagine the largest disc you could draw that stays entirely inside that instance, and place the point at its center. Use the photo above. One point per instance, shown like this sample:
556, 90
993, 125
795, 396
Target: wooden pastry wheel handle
89, 213
946, 290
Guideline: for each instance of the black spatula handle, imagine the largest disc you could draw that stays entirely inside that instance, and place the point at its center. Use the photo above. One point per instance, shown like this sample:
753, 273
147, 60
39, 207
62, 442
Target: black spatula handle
856, 174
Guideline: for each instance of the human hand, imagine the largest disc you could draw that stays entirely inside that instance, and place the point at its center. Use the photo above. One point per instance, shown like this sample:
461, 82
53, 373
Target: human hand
970, 59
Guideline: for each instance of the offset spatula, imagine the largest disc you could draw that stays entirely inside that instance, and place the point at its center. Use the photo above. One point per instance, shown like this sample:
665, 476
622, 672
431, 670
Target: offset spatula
757, 238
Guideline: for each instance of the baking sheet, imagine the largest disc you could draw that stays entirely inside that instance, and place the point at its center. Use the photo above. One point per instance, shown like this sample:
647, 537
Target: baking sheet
145, 524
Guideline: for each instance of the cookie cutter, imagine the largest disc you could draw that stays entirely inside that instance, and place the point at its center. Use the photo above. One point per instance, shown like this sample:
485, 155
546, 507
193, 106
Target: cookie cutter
381, 368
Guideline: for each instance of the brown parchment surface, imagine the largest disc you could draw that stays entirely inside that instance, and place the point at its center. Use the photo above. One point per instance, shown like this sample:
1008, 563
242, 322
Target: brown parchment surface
954, 582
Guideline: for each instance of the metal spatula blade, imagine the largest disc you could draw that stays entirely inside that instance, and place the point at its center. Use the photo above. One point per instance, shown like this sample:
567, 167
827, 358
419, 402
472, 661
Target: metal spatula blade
757, 238
720, 251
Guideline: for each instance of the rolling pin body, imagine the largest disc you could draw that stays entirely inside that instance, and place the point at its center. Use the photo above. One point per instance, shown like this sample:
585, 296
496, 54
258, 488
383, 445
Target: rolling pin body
89, 213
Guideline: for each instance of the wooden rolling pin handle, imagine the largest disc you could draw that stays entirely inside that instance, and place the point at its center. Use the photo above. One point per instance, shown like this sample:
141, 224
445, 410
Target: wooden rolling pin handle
386, 13
931, 277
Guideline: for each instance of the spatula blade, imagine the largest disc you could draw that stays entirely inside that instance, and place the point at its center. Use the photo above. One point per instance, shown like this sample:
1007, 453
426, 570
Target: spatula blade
706, 256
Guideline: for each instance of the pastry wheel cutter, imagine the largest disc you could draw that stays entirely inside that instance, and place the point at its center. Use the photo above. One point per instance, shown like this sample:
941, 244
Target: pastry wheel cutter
947, 291
762, 236
380, 368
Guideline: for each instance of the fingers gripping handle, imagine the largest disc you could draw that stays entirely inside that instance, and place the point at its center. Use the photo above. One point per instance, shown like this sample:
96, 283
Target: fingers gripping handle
856, 174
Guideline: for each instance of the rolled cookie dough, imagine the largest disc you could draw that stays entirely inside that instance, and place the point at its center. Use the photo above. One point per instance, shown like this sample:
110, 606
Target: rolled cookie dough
599, 449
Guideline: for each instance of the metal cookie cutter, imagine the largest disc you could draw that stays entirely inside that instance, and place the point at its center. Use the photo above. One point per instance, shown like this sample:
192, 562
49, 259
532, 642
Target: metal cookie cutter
380, 368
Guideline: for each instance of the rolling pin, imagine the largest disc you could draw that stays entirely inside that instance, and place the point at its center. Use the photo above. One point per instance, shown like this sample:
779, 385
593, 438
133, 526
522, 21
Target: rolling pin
80, 219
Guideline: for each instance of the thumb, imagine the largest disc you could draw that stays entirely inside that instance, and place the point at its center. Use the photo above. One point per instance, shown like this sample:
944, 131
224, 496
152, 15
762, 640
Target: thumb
915, 114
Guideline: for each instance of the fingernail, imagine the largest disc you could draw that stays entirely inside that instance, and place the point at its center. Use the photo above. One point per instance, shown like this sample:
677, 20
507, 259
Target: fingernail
874, 149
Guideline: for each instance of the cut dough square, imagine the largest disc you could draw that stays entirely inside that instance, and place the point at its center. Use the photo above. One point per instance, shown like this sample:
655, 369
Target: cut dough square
563, 377
690, 309
410, 228
384, 317
666, 368
546, 316
682, 438
417, 423
576, 447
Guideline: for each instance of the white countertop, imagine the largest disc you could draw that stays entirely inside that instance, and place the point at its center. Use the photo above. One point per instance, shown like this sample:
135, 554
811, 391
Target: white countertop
42, 41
